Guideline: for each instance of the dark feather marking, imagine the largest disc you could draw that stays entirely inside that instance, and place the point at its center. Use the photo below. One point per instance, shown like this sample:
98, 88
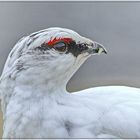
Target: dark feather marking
72, 47
20, 52
76, 49
19, 67
68, 126
12, 52
43, 47
32, 40
21, 39
34, 34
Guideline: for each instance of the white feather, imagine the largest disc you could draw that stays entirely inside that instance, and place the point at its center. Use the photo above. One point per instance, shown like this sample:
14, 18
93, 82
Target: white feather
35, 102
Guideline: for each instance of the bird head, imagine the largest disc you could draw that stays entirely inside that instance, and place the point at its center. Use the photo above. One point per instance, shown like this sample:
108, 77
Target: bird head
55, 53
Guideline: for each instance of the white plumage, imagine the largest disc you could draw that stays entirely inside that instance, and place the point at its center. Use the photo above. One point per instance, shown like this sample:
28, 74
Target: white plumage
35, 102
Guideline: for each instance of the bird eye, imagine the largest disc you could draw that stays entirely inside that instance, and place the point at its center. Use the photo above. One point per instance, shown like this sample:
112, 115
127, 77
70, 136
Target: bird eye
61, 47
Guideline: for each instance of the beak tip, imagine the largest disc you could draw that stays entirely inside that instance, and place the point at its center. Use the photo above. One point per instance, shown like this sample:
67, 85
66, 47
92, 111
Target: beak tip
105, 51
101, 48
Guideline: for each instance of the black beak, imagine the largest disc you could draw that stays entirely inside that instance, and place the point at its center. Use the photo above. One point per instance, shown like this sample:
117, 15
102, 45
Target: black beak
97, 49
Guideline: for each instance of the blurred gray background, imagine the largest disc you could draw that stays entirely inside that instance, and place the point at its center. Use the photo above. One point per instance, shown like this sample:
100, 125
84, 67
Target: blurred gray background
114, 24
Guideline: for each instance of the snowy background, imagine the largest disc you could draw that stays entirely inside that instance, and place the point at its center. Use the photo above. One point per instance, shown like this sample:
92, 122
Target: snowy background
114, 24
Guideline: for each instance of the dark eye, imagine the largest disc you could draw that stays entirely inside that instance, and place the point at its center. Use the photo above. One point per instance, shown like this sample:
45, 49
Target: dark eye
61, 47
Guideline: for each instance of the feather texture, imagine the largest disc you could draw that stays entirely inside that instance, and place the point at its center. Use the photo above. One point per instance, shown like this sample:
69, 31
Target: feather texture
36, 104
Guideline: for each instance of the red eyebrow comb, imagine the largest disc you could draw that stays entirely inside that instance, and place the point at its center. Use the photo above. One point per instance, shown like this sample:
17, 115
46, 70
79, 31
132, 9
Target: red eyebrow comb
52, 42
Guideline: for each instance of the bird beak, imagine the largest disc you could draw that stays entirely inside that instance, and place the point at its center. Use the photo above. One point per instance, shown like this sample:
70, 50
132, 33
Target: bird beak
97, 48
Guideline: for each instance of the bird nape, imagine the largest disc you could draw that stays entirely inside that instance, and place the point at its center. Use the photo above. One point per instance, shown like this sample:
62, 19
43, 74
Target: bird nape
36, 104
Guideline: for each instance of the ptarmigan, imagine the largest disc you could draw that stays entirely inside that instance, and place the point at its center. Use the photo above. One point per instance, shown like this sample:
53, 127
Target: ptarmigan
35, 102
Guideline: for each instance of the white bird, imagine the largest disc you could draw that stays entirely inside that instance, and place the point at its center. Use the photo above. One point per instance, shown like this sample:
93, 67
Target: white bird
35, 102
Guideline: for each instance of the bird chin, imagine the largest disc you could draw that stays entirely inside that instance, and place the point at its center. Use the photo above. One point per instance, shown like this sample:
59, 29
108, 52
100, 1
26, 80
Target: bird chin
83, 57
85, 54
